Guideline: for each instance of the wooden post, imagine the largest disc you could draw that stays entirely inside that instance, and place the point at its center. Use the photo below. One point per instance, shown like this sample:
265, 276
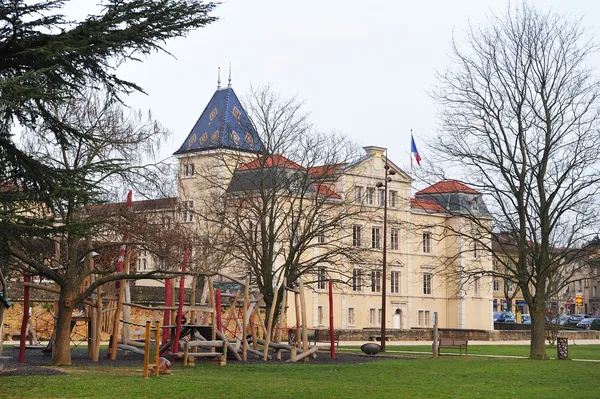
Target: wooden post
280, 323
435, 335
193, 315
218, 310
112, 355
331, 329
245, 320
167, 313
147, 348
156, 346
175, 346
298, 318
253, 326
96, 353
270, 324
303, 311
211, 295
127, 299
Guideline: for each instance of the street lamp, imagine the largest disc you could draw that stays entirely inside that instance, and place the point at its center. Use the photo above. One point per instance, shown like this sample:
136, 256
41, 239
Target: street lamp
388, 173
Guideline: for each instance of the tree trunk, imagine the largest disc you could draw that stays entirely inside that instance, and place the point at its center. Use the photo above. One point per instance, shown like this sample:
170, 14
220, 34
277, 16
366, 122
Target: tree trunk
538, 336
1, 327
62, 344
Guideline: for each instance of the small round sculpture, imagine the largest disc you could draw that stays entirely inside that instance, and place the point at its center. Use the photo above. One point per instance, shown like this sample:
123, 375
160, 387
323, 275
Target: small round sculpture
371, 348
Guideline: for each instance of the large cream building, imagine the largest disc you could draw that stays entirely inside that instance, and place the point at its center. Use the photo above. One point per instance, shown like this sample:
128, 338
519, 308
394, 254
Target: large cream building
418, 242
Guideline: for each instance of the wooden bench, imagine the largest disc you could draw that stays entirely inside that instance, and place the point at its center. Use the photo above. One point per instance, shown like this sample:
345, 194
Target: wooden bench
454, 343
325, 336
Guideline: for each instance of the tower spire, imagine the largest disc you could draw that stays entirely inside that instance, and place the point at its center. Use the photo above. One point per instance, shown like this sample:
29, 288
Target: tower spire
229, 85
219, 79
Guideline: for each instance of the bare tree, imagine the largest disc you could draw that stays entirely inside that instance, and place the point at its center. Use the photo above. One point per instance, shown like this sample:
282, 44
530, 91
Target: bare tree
281, 212
110, 149
520, 121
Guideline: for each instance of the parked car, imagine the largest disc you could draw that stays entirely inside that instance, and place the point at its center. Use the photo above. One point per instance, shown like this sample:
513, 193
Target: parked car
561, 320
525, 319
574, 319
587, 323
504, 317
595, 325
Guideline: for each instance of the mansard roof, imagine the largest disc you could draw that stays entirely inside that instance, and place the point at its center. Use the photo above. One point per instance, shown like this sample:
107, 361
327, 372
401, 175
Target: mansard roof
224, 124
447, 187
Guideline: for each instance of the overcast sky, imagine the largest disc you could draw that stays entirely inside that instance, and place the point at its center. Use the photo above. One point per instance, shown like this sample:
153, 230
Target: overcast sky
364, 68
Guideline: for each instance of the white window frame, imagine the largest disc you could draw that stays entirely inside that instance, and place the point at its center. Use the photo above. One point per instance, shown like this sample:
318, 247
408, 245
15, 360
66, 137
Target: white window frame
142, 263
423, 317
358, 193
375, 237
477, 286
320, 233
321, 278
188, 211
356, 236
320, 315
369, 194
395, 281
427, 287
476, 250
395, 239
392, 198
374, 316
496, 284
357, 280
376, 276
351, 317
427, 246
189, 169
380, 197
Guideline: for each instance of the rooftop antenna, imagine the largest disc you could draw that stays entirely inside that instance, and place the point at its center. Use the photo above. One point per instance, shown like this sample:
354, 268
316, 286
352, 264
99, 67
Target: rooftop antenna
229, 85
219, 79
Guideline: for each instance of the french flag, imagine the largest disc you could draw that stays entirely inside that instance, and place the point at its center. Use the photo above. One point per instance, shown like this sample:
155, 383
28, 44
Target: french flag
414, 152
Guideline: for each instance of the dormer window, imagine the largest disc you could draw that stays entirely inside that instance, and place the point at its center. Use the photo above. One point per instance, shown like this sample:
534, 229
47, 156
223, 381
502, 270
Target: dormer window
475, 204
189, 170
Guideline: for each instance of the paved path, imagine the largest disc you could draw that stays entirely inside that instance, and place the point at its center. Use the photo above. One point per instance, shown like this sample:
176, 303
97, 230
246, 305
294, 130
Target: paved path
520, 342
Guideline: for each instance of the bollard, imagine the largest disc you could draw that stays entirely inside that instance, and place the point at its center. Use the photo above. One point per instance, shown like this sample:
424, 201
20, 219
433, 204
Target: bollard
562, 346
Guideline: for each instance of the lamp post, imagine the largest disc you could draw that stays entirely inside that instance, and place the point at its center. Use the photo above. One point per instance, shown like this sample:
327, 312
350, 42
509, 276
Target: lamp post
388, 172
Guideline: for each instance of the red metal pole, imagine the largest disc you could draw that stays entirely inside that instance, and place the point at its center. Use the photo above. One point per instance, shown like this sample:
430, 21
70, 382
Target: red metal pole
167, 314
218, 309
331, 329
175, 346
25, 318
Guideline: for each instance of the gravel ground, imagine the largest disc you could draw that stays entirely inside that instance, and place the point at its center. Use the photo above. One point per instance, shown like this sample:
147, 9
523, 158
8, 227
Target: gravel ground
38, 363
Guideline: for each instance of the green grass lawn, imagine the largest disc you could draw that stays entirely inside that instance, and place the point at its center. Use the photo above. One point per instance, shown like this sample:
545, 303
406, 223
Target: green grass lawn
447, 377
587, 352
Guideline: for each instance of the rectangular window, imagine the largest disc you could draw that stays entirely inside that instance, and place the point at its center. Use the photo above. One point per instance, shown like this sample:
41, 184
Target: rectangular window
189, 170
351, 317
357, 280
477, 286
142, 260
427, 277
357, 195
476, 250
374, 316
426, 242
595, 291
496, 285
322, 278
369, 195
392, 199
424, 318
321, 233
187, 213
356, 236
375, 237
394, 239
375, 280
166, 222
395, 282
320, 315
579, 286
380, 197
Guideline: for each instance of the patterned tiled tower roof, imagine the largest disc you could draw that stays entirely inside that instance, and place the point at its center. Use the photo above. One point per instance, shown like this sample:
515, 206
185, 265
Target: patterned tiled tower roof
224, 124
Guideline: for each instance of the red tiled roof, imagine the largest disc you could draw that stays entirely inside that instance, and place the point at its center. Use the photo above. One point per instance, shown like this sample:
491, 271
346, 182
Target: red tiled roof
427, 205
448, 186
324, 170
270, 161
326, 191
